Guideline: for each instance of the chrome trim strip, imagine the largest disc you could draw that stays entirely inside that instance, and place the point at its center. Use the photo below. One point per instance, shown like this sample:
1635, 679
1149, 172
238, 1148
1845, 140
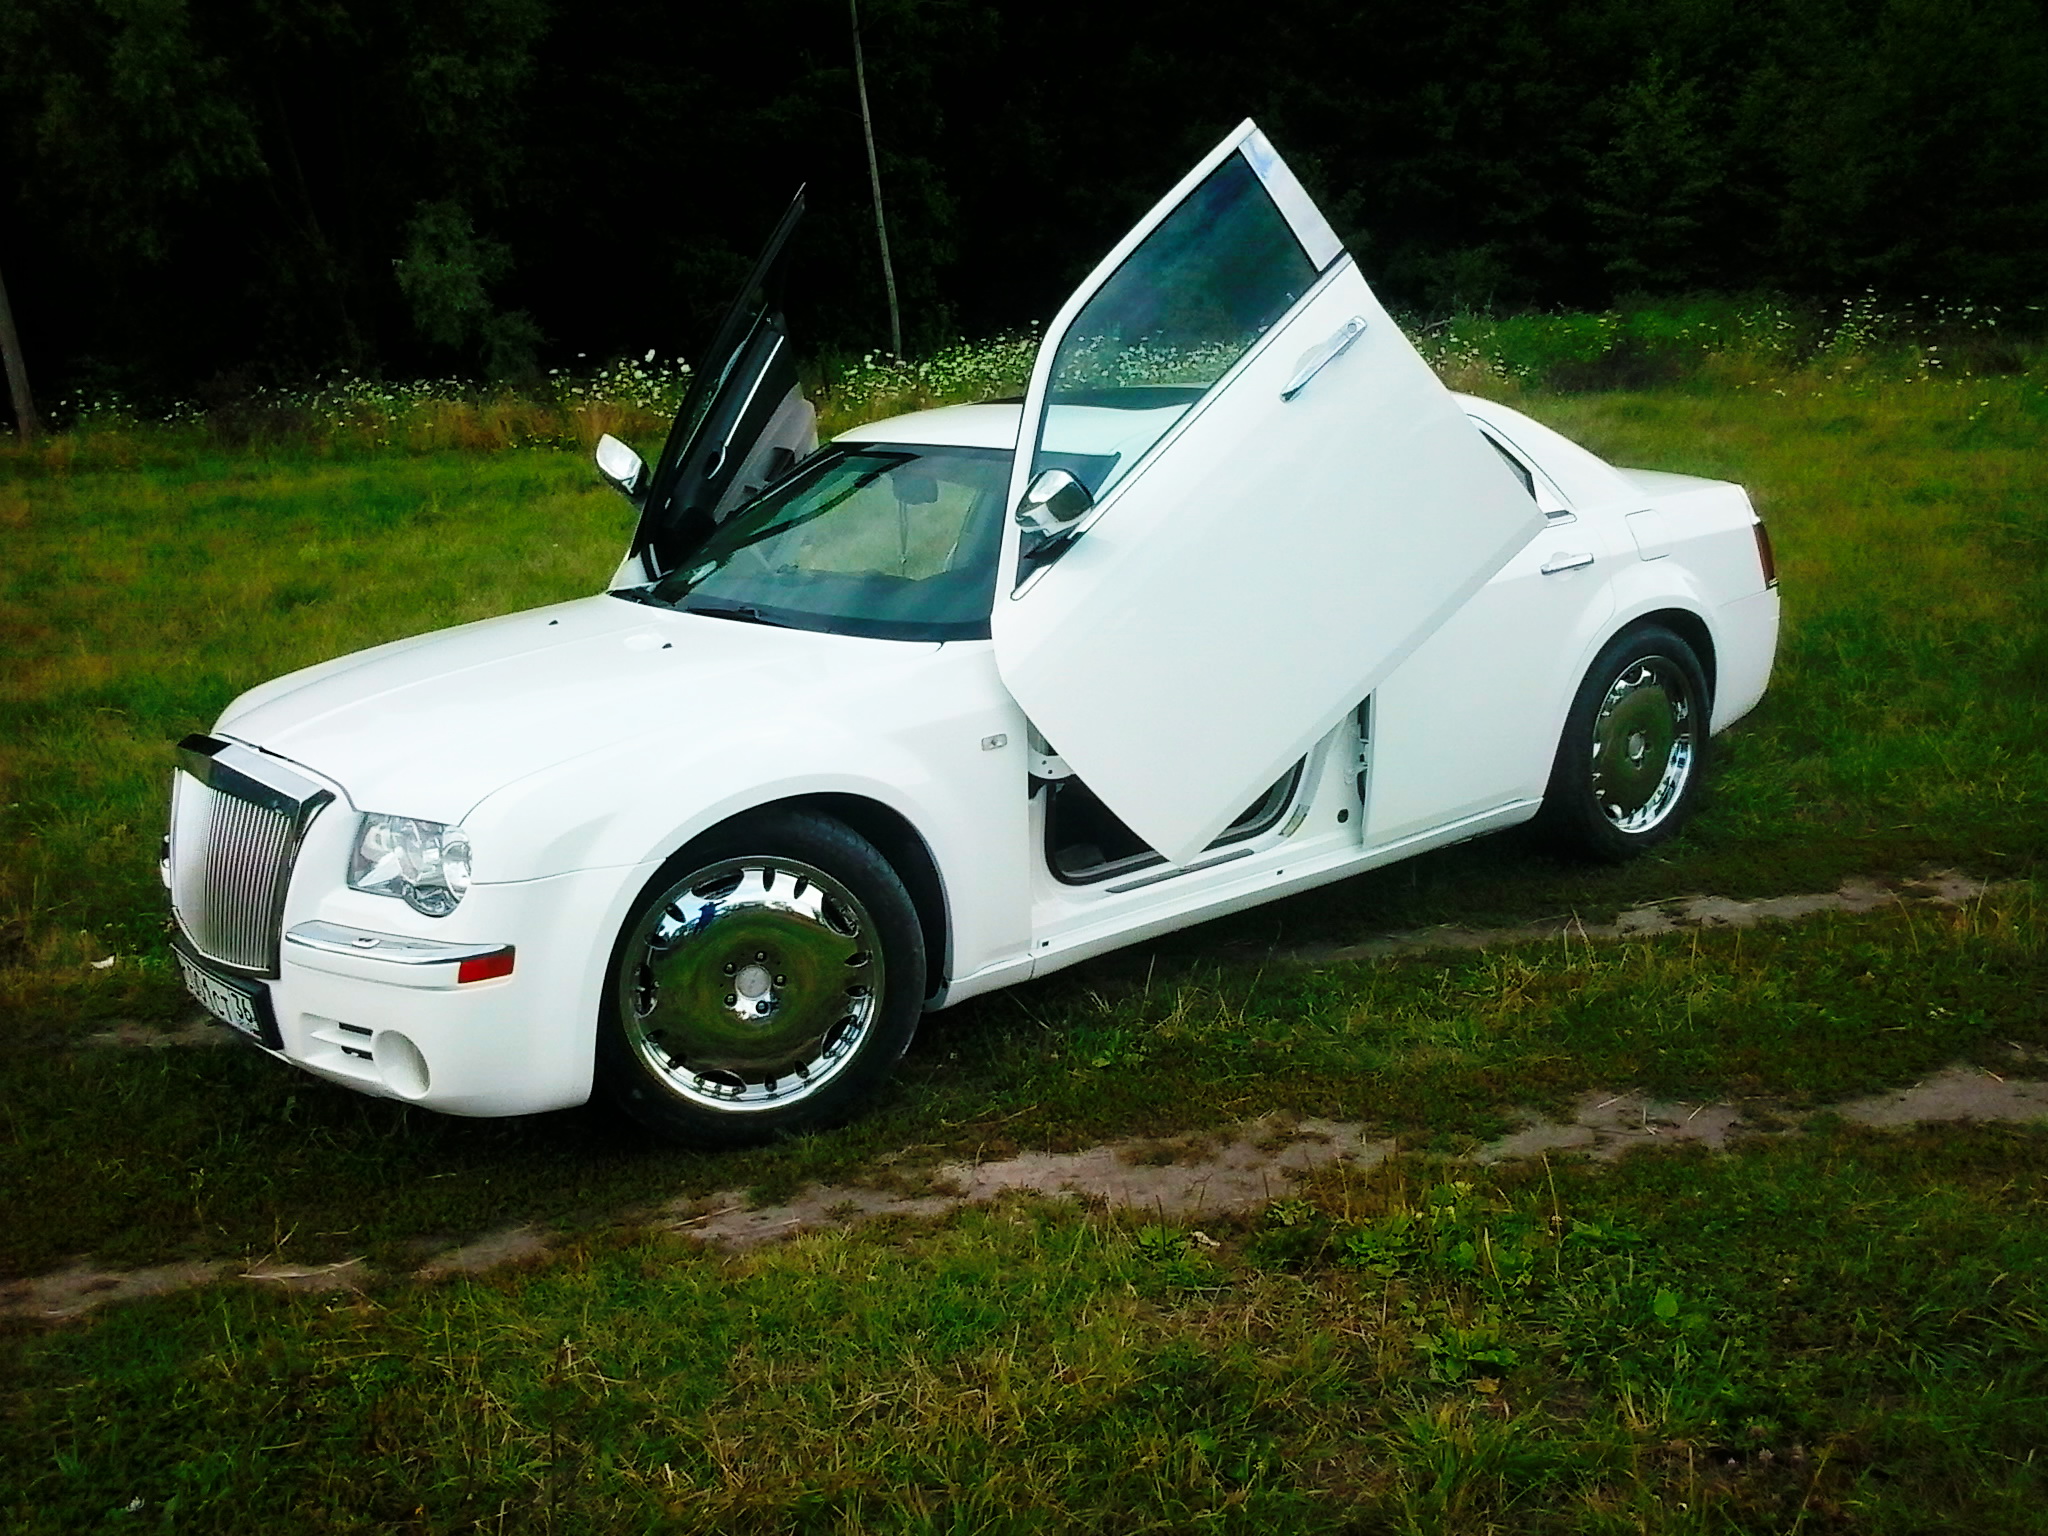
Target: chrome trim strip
391, 948
1185, 869
1319, 242
233, 769
746, 405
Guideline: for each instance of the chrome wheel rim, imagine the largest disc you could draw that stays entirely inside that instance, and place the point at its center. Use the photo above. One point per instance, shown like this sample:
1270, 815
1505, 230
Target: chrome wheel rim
1643, 744
751, 984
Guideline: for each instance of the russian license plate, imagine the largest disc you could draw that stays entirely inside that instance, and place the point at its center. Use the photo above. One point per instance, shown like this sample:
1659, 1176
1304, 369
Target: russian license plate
243, 1004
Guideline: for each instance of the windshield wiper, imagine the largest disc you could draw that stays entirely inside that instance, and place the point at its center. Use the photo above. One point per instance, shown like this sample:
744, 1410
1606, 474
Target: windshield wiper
741, 612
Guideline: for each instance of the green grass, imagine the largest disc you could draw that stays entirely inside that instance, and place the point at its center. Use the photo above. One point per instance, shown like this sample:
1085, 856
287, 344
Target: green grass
1903, 730
1835, 1331
1910, 516
143, 1156
135, 604
1838, 1331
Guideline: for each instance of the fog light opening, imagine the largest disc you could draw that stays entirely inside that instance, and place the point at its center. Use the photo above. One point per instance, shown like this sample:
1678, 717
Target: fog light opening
403, 1067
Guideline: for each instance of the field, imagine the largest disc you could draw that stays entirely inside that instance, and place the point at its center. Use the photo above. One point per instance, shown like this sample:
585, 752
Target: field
1836, 1329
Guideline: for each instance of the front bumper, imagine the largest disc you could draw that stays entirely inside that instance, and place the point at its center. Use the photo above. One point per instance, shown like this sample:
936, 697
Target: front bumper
388, 1014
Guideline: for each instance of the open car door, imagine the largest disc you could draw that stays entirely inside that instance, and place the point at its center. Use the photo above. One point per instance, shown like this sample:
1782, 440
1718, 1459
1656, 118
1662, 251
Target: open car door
1286, 502
744, 423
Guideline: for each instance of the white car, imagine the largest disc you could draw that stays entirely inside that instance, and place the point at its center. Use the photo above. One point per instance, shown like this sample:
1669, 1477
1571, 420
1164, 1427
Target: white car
1235, 601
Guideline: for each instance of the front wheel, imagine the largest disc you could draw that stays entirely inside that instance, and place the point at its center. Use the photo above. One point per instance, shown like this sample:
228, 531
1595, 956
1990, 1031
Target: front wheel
1628, 768
766, 983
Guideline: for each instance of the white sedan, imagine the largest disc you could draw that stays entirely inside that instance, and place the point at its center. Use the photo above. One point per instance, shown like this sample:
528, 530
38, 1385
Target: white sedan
1235, 601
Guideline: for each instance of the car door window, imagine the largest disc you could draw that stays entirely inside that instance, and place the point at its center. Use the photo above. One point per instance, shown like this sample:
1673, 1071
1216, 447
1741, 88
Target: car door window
1173, 319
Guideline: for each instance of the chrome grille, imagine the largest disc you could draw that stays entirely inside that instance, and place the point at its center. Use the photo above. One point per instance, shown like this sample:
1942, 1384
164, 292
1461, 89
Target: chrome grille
237, 818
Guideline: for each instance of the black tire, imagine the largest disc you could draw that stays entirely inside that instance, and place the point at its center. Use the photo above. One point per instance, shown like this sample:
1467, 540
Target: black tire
1634, 751
767, 982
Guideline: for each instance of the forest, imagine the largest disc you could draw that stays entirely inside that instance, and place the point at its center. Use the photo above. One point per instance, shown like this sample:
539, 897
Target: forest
200, 199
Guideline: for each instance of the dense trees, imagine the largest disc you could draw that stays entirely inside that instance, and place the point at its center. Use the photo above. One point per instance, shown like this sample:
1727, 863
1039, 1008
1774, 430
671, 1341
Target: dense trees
197, 193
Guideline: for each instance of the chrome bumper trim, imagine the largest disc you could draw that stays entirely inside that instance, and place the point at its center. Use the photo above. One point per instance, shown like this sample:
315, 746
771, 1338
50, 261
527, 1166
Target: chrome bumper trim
390, 948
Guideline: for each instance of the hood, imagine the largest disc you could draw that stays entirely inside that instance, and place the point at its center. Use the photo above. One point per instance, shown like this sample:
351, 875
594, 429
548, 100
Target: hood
428, 727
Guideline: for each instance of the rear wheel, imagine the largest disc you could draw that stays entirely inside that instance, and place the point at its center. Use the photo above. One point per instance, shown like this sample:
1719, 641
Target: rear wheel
766, 983
1629, 765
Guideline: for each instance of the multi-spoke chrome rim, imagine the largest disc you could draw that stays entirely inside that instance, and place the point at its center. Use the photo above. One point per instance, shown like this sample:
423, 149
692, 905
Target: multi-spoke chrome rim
751, 983
1643, 744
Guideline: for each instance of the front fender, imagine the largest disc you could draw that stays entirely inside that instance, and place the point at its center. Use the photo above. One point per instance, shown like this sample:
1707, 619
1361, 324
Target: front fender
950, 761
643, 800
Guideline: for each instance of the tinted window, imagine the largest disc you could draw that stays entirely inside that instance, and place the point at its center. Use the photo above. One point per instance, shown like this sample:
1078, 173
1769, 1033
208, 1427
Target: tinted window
1174, 317
1521, 470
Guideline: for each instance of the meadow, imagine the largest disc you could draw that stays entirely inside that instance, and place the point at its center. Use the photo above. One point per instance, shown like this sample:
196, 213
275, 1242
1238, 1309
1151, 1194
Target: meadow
1837, 1330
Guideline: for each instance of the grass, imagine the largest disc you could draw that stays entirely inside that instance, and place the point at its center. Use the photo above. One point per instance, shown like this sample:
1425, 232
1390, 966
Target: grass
134, 604
1831, 1331
1903, 730
145, 1156
1838, 1331
1903, 726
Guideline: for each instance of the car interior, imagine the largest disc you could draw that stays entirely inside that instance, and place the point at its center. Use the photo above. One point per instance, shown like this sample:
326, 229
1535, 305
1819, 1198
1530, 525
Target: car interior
1085, 841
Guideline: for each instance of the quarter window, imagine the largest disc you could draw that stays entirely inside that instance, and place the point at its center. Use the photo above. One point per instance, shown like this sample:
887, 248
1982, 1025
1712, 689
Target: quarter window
1521, 470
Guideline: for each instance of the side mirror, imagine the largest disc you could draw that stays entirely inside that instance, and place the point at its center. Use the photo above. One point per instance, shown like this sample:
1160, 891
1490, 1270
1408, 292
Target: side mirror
622, 467
1053, 503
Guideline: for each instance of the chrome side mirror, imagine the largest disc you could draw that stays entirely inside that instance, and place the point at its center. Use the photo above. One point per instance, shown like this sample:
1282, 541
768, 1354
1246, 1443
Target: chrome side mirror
621, 467
1053, 503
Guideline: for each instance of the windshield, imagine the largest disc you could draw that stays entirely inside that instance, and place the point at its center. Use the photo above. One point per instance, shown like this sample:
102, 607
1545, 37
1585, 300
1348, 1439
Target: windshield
892, 542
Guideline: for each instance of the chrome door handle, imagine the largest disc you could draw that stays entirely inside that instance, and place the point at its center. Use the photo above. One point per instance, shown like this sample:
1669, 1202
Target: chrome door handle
1563, 562
1320, 357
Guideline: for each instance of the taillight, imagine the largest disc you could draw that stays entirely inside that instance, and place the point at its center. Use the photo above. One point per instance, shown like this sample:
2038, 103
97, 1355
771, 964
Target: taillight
1764, 556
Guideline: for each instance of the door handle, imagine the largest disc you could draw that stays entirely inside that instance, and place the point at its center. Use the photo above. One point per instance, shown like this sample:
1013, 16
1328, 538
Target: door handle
1319, 357
1563, 562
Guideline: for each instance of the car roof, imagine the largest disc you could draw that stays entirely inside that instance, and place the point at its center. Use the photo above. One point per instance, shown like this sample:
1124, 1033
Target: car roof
1582, 476
993, 425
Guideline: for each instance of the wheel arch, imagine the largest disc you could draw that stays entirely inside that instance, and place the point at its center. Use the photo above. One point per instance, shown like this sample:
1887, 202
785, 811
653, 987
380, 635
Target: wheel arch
1690, 628
898, 841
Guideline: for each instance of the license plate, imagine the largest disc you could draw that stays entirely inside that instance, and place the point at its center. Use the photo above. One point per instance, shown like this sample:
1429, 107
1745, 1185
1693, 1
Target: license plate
245, 1005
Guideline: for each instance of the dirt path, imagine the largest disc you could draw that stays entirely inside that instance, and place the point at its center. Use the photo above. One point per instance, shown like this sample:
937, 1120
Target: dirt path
1258, 1163
1674, 914
1196, 1176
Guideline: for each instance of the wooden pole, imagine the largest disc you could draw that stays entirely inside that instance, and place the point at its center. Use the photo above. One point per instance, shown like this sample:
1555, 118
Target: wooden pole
867, 123
17, 371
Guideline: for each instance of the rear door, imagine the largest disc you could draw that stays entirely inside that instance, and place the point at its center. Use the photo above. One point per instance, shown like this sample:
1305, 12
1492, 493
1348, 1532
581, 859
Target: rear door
1287, 502
744, 423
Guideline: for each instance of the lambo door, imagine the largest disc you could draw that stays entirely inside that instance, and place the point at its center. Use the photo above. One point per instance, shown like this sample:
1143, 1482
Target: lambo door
1285, 502
744, 422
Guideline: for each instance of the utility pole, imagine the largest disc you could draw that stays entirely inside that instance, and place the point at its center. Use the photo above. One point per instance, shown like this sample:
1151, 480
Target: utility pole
17, 372
867, 123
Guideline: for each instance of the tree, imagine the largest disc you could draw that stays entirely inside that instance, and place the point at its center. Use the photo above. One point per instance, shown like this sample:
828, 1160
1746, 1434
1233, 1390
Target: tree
17, 372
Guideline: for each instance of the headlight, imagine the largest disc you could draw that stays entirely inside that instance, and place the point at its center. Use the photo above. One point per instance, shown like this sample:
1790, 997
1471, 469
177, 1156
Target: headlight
423, 863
